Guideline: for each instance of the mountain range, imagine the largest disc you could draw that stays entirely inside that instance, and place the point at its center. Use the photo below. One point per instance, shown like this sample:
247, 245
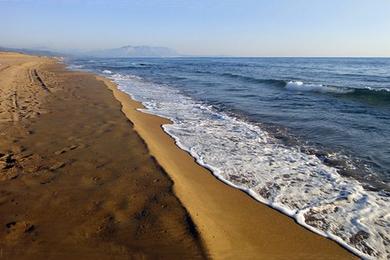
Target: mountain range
134, 51
122, 52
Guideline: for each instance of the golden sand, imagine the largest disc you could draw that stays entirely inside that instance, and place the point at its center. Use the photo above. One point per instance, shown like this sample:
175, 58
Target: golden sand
76, 181
232, 224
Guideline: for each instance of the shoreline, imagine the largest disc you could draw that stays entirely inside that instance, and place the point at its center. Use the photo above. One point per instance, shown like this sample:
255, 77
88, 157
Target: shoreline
228, 233
146, 197
76, 181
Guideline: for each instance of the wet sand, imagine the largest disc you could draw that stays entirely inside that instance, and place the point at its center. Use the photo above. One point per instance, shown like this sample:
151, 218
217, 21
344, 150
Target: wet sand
76, 181
232, 224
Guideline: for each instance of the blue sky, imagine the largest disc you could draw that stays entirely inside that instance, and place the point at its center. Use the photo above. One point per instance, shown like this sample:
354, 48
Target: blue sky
200, 27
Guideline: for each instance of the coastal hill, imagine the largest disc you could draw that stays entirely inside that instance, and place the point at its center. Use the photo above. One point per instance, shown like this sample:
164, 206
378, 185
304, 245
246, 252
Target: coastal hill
33, 51
134, 51
122, 52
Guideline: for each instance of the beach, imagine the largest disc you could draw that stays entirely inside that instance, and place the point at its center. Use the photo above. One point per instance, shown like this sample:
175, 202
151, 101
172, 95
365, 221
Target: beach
85, 174
76, 182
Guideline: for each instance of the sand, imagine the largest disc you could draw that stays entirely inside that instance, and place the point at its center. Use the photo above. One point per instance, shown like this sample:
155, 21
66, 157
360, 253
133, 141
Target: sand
76, 181
231, 223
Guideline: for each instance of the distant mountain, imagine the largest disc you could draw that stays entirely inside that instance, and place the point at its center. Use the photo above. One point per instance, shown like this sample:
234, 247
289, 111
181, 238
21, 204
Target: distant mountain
38, 52
123, 52
134, 51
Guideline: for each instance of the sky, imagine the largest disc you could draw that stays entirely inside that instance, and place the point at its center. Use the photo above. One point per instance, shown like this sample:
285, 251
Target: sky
202, 27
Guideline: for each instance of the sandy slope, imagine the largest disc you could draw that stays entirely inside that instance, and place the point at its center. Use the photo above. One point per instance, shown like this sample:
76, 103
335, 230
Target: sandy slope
76, 182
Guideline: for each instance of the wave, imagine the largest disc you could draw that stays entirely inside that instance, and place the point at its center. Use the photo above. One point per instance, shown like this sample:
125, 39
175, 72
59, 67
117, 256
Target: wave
370, 94
381, 95
300, 86
245, 156
75, 67
374, 94
133, 65
275, 82
107, 71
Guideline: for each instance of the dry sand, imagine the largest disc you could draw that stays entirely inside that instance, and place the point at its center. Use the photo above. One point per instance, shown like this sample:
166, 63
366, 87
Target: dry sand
232, 224
76, 181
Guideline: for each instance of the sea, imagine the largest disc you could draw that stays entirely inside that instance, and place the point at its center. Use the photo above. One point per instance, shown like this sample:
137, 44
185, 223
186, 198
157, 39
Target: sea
309, 137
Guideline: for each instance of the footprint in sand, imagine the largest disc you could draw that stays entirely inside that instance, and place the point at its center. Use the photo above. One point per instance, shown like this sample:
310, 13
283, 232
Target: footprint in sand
6, 161
16, 230
67, 149
63, 150
57, 166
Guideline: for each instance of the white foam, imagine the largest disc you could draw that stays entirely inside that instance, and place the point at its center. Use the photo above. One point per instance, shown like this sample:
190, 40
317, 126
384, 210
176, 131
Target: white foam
248, 158
59, 58
378, 89
75, 67
107, 71
300, 86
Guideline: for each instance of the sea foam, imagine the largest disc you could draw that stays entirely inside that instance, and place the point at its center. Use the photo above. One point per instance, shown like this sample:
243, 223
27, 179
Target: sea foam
248, 158
300, 86
107, 71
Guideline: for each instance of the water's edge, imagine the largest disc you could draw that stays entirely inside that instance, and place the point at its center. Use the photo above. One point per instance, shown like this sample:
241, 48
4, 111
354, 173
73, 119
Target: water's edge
299, 219
302, 215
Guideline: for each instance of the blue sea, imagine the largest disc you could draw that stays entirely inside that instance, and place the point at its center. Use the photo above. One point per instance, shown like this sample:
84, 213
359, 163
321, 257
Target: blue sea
309, 137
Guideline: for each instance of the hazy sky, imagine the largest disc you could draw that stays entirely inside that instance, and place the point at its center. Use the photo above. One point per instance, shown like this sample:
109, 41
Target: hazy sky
212, 27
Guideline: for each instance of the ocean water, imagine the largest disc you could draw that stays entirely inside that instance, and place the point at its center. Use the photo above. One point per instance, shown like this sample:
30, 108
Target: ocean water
307, 136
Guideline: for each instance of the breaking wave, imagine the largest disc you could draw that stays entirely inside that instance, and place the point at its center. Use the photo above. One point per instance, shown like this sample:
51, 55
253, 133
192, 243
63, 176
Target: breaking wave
300, 86
371, 94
